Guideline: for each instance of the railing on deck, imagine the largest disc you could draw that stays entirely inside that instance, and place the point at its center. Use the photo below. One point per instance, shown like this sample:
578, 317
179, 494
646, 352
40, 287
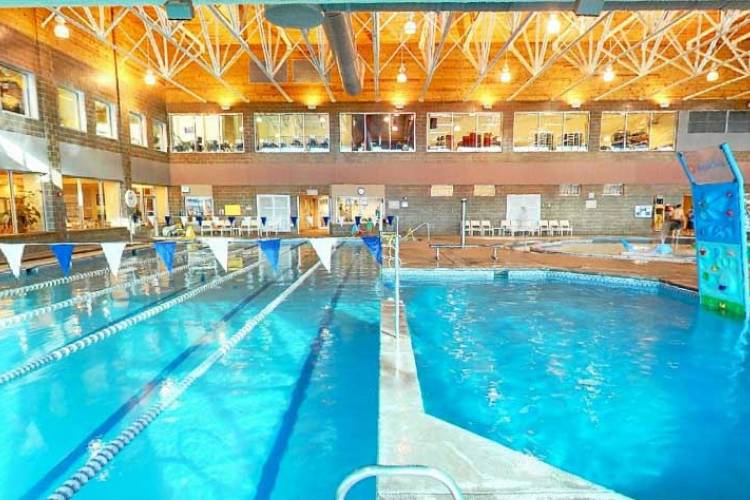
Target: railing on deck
397, 470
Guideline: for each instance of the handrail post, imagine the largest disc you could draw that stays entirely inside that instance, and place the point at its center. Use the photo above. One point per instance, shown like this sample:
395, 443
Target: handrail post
397, 284
463, 222
398, 470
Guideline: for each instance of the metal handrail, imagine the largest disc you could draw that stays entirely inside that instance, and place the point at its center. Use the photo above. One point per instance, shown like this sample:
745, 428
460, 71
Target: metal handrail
397, 470
412, 230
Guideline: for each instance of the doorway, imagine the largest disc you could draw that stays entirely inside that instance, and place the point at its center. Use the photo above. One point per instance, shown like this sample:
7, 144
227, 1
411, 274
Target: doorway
312, 209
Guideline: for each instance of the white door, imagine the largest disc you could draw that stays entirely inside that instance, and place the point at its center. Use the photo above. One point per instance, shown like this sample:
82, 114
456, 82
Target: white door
276, 208
524, 210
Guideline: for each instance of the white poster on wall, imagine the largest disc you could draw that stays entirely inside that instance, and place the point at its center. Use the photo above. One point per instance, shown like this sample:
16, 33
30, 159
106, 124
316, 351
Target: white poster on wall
524, 210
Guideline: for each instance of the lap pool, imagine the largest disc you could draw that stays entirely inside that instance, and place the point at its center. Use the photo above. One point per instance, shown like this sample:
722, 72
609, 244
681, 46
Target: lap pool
625, 384
286, 414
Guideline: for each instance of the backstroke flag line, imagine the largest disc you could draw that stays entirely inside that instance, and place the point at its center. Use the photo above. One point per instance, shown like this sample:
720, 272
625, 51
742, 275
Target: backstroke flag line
113, 254
13, 253
165, 251
270, 249
324, 248
220, 249
374, 246
64, 254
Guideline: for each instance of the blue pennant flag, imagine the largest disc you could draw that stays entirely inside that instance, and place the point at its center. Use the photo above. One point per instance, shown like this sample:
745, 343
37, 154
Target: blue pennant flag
389, 218
270, 249
374, 246
165, 251
231, 220
293, 218
167, 220
325, 220
263, 220
63, 252
357, 220
199, 218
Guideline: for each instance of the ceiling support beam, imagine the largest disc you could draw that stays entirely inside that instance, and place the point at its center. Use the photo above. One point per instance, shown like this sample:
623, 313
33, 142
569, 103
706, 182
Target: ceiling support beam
520, 26
433, 54
238, 37
560, 53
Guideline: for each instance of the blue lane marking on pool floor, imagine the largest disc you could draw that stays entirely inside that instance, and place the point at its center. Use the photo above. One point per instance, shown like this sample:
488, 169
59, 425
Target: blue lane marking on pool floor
273, 461
38, 489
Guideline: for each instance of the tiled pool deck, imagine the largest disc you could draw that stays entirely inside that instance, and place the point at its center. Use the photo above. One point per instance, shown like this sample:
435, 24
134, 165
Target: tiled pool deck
482, 468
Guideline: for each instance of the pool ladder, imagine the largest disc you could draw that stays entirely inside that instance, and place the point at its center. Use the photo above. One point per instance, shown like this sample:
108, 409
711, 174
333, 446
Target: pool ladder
397, 470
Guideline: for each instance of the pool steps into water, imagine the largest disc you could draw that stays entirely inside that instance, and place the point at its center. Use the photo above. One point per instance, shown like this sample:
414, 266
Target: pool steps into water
109, 451
483, 469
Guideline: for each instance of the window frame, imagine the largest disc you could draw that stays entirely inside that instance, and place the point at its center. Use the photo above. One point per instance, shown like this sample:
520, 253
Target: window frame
144, 132
556, 150
651, 114
162, 125
171, 143
729, 114
30, 105
567, 193
112, 114
278, 115
620, 193
364, 122
476, 115
10, 176
80, 108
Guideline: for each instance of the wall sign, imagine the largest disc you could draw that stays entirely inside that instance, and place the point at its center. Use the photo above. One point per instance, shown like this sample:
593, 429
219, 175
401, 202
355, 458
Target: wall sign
441, 190
643, 211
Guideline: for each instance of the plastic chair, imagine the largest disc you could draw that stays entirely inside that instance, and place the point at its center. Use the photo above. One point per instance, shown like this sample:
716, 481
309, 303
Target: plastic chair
486, 227
543, 227
476, 227
565, 227
554, 226
207, 225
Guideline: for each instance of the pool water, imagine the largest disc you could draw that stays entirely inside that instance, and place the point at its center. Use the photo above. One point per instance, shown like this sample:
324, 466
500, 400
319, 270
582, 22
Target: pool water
287, 414
641, 391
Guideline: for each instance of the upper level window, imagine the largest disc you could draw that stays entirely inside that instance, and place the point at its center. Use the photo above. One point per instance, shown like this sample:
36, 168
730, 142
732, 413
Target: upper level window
159, 129
105, 119
16, 90
738, 122
376, 132
292, 132
638, 131
570, 190
222, 133
71, 109
464, 132
552, 131
137, 124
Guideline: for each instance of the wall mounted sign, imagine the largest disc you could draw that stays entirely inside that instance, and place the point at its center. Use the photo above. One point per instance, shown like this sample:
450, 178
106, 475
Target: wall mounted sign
643, 211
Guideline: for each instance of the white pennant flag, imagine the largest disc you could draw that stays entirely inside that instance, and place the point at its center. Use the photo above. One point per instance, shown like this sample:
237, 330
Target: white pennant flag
113, 253
323, 247
220, 249
13, 253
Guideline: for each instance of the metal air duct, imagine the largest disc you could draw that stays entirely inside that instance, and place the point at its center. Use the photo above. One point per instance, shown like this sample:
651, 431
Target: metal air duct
338, 28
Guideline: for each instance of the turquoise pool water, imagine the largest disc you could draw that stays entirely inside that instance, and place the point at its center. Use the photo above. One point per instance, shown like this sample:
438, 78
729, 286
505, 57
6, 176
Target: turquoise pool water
641, 391
285, 415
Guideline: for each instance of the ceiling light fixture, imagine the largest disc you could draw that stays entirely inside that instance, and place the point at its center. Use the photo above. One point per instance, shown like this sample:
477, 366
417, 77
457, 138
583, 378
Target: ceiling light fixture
609, 74
401, 76
150, 77
410, 27
61, 29
712, 75
553, 24
505, 76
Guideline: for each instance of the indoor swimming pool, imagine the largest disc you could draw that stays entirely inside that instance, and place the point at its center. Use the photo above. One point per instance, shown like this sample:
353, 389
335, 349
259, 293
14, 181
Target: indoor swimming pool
287, 413
626, 384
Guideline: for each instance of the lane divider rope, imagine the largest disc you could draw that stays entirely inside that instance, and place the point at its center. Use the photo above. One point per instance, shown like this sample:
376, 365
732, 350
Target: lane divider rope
99, 335
90, 296
23, 290
107, 453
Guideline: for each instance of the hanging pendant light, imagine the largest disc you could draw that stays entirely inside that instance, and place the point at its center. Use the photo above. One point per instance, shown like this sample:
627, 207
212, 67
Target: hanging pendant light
505, 75
553, 24
401, 76
150, 77
410, 27
61, 29
609, 74
712, 75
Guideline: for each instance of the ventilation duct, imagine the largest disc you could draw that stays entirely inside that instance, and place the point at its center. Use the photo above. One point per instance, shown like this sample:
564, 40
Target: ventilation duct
338, 28
302, 16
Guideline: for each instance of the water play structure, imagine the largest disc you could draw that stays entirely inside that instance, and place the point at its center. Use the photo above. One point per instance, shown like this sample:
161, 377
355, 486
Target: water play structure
720, 228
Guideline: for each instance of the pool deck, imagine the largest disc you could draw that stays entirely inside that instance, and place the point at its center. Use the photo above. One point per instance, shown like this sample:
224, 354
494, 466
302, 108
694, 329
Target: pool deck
483, 469
419, 254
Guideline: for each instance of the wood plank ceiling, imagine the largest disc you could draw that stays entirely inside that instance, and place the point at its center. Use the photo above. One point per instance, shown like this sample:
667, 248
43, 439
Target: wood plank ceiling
450, 56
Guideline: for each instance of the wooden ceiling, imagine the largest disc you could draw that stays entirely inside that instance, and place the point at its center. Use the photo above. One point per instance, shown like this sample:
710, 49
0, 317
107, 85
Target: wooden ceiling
452, 56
